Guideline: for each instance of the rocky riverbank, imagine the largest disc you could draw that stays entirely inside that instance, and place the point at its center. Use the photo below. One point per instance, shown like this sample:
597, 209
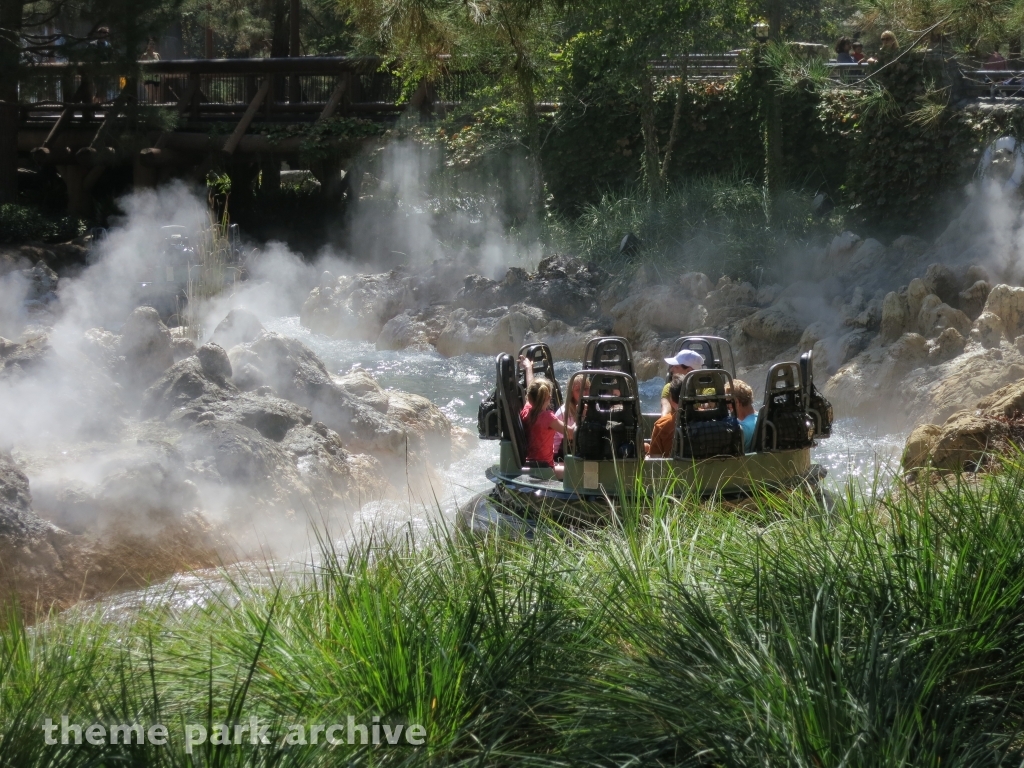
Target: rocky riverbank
166, 456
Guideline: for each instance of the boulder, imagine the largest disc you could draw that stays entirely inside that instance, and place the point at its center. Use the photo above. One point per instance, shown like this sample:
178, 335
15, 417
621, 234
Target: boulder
695, 285
239, 326
840, 251
964, 379
972, 299
987, 330
872, 382
30, 355
865, 259
1008, 303
936, 316
941, 281
774, 325
658, 309
916, 293
330, 472
1006, 402
917, 451
182, 347
948, 345
259, 472
182, 384
18, 523
502, 329
136, 488
965, 440
146, 347
895, 317
271, 416
403, 332
731, 295
214, 361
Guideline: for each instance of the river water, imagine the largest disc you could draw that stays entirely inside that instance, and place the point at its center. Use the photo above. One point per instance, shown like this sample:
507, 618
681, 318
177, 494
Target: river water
857, 451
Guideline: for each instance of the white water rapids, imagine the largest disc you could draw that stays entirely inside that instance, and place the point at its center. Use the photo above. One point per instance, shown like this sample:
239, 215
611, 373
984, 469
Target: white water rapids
856, 451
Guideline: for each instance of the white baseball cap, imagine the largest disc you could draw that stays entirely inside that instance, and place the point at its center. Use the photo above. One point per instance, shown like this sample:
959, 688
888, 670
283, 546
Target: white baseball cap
688, 358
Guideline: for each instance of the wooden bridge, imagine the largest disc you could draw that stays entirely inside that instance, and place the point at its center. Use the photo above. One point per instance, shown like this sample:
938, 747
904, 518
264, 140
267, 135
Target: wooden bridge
71, 114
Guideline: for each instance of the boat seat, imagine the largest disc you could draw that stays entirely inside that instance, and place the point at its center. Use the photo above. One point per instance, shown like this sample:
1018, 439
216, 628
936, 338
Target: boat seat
817, 406
609, 424
716, 351
609, 353
783, 422
705, 427
510, 398
543, 365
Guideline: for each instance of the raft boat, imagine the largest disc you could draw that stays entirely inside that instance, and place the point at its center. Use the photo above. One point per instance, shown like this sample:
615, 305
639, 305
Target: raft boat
606, 459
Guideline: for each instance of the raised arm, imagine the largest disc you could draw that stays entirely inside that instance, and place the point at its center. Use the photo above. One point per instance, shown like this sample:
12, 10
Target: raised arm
527, 366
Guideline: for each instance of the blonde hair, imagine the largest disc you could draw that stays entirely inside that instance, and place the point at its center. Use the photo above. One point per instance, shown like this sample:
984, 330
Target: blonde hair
889, 35
742, 392
537, 395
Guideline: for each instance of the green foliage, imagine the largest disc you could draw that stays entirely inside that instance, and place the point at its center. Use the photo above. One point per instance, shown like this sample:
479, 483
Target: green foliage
20, 224
718, 226
318, 138
885, 632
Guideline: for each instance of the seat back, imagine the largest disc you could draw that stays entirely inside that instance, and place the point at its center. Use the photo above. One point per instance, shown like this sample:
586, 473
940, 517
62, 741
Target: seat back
716, 351
543, 365
608, 353
816, 405
510, 399
705, 426
609, 422
783, 422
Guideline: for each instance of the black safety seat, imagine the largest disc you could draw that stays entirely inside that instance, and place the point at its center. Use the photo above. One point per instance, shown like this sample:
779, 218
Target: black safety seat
609, 422
543, 365
510, 399
705, 427
817, 406
609, 353
716, 351
783, 422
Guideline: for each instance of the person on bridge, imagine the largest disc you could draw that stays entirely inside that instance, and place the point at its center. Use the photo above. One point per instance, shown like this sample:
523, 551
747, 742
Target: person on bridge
857, 51
843, 55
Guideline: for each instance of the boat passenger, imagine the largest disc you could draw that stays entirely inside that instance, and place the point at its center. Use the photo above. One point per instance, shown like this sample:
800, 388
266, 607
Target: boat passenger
541, 425
660, 445
567, 413
743, 397
680, 365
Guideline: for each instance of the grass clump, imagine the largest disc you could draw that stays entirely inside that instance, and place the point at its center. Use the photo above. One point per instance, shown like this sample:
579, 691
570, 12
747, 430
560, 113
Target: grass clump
880, 633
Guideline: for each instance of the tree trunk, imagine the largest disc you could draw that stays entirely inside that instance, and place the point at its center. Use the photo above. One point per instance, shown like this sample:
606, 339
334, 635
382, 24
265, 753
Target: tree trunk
649, 127
525, 80
294, 43
773, 169
673, 134
278, 47
10, 23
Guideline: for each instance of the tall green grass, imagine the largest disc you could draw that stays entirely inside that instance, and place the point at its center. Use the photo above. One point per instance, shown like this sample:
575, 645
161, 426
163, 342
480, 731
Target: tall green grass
879, 633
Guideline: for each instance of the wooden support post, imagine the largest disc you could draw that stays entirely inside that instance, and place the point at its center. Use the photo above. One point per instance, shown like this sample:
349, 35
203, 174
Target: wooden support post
63, 120
334, 100
8, 152
190, 94
243, 125
294, 42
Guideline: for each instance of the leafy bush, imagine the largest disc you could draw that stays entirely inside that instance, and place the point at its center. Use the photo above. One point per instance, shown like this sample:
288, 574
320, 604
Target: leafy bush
19, 224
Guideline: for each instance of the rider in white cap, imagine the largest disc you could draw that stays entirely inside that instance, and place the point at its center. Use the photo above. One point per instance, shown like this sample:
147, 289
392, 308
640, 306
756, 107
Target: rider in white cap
685, 360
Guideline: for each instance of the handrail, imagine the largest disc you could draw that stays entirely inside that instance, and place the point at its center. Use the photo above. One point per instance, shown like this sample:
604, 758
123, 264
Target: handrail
286, 65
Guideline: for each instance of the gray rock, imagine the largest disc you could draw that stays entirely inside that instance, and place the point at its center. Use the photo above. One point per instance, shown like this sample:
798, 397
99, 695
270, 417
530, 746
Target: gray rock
18, 524
773, 325
240, 326
895, 317
948, 345
972, 299
987, 330
183, 383
182, 348
146, 347
214, 361
940, 280
271, 416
